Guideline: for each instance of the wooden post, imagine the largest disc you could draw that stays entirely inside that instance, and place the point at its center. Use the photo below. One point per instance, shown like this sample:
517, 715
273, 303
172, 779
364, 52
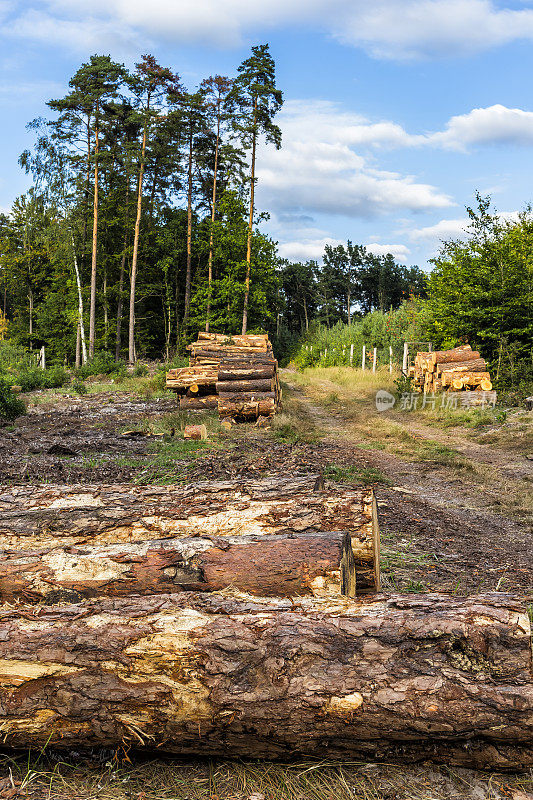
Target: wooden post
390, 360
375, 359
363, 358
405, 353
351, 355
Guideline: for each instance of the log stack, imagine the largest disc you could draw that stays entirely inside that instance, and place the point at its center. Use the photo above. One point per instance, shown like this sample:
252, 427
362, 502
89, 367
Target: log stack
455, 370
238, 375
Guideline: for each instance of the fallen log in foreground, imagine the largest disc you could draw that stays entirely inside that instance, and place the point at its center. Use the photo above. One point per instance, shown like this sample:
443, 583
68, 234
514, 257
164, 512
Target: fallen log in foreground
398, 678
281, 565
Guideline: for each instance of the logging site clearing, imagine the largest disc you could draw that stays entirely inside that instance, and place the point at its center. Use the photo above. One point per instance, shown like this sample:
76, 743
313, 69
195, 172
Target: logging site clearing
455, 507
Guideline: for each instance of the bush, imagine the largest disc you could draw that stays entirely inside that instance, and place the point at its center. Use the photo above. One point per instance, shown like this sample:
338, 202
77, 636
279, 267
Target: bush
103, 363
11, 406
140, 371
55, 377
31, 378
79, 387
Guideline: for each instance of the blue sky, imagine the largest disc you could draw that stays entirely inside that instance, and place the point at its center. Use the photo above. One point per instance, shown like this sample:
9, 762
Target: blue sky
396, 111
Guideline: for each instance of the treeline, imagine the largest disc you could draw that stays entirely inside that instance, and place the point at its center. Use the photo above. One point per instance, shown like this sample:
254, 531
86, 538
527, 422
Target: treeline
140, 226
480, 292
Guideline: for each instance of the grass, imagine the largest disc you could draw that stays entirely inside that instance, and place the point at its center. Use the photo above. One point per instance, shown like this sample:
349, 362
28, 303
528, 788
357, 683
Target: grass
220, 779
294, 424
353, 474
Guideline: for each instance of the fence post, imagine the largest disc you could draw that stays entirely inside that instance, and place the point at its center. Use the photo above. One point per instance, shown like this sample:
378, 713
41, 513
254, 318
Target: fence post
405, 353
375, 359
390, 360
363, 358
351, 355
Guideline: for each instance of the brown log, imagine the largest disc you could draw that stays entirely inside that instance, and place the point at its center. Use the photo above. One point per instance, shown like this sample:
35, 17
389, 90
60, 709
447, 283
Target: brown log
73, 515
476, 365
198, 432
245, 371
462, 353
467, 377
280, 565
183, 379
399, 678
207, 402
247, 409
239, 397
234, 387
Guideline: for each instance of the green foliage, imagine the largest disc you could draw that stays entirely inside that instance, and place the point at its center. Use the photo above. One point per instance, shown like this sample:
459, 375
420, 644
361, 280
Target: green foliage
404, 385
79, 387
328, 347
103, 363
140, 371
11, 406
481, 291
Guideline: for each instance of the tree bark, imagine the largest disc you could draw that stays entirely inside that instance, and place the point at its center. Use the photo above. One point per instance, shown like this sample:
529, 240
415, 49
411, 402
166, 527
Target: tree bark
274, 565
243, 371
81, 324
92, 308
239, 397
250, 224
133, 281
246, 409
245, 386
188, 274
397, 678
213, 214
463, 353
34, 518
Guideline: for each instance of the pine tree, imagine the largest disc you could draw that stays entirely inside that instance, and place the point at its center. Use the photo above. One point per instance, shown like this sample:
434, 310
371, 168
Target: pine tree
258, 99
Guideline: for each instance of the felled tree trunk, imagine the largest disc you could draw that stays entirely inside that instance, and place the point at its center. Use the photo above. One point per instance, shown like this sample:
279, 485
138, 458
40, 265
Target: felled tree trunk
241, 397
401, 678
463, 353
246, 409
234, 387
280, 565
244, 371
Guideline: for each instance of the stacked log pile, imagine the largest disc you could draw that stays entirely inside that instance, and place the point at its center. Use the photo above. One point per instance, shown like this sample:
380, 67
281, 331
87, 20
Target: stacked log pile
459, 369
237, 375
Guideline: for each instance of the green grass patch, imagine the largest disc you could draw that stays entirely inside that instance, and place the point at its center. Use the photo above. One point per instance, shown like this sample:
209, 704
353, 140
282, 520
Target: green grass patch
353, 474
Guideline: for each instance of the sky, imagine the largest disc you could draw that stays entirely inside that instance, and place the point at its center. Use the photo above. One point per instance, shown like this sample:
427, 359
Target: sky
395, 111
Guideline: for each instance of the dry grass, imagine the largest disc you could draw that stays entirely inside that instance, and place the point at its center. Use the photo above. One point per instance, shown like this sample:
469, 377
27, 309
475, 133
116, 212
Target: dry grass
173, 779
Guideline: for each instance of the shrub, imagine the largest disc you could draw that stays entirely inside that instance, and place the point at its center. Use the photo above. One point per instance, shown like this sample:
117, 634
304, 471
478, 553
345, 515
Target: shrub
79, 387
103, 363
140, 371
55, 377
31, 378
11, 406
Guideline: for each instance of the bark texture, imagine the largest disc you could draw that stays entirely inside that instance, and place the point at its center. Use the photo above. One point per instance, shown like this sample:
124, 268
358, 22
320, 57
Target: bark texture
277, 565
412, 677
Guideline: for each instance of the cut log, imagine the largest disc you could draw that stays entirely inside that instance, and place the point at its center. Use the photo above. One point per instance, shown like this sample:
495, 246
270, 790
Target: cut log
468, 378
463, 353
234, 387
476, 365
198, 432
281, 565
240, 397
207, 402
246, 409
398, 678
183, 379
245, 371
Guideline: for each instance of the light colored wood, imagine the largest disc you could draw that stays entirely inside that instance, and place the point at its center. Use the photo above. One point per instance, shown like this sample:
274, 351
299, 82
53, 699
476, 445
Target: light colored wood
195, 432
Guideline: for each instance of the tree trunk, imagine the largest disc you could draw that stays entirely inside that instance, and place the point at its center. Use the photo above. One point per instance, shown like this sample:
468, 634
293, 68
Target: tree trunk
78, 347
188, 275
280, 565
245, 396
213, 213
74, 516
246, 409
250, 225
30, 329
397, 678
462, 353
245, 371
81, 324
92, 309
245, 386
131, 333
120, 300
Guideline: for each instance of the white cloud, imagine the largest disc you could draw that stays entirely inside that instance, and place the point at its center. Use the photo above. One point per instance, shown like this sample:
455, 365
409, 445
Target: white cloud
496, 124
384, 28
406, 29
400, 251
307, 250
317, 169
452, 228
